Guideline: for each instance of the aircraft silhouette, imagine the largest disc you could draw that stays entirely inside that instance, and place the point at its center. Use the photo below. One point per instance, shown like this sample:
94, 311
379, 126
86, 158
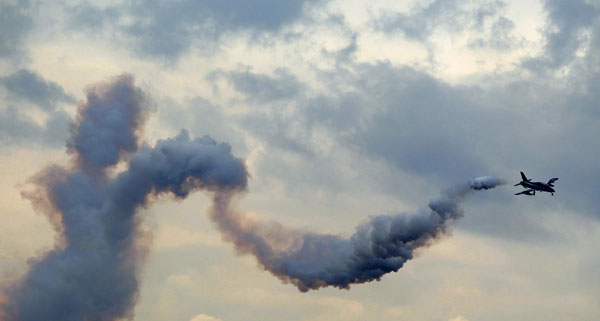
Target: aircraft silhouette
532, 187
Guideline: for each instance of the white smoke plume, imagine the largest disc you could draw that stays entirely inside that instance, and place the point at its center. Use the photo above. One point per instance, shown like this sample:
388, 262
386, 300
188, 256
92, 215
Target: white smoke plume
92, 272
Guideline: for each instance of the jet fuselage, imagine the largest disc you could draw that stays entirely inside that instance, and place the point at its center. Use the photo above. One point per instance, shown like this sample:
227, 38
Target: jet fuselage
538, 186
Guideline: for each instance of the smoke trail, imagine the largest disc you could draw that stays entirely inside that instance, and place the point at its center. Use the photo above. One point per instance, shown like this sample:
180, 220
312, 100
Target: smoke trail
380, 245
91, 274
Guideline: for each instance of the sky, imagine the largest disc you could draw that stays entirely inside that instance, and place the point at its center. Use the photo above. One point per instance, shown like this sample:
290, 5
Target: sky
340, 111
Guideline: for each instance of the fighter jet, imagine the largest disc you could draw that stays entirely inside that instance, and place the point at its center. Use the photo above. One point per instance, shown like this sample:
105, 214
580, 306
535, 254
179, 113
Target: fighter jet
532, 187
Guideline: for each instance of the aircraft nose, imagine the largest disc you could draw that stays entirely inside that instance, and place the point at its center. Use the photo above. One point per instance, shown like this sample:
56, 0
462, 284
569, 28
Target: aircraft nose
552, 189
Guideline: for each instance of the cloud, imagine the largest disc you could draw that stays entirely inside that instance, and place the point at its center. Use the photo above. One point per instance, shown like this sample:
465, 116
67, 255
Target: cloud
261, 88
419, 123
15, 24
403, 116
565, 32
486, 24
27, 91
204, 317
500, 36
29, 86
16, 128
168, 29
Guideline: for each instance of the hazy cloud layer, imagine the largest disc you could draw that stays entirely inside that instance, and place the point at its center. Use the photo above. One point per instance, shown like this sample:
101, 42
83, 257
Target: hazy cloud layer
168, 29
260, 88
26, 91
569, 27
28, 86
483, 19
16, 128
15, 24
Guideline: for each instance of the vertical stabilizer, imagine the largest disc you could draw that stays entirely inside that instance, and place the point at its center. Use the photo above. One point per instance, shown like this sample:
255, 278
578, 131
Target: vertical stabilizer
524, 177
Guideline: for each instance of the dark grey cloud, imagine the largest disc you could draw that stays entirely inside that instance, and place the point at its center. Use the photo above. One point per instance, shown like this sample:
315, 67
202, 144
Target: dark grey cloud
445, 131
95, 18
565, 32
29, 86
268, 92
15, 24
420, 23
483, 19
167, 29
421, 125
16, 128
285, 111
261, 88
500, 36
399, 115
26, 90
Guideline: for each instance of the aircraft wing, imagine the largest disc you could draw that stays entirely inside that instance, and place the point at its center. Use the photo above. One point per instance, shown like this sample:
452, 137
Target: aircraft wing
552, 180
529, 192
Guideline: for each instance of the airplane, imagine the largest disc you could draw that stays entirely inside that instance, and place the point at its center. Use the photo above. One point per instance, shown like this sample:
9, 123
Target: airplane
536, 186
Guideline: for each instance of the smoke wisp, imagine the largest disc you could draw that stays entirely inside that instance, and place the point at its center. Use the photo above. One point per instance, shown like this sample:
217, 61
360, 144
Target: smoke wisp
92, 272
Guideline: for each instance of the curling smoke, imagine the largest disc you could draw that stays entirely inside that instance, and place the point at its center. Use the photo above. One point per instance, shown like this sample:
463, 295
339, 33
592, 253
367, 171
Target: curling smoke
380, 245
91, 274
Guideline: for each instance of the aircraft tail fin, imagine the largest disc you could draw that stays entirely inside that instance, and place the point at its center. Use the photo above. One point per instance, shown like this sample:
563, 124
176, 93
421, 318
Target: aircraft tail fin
524, 177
